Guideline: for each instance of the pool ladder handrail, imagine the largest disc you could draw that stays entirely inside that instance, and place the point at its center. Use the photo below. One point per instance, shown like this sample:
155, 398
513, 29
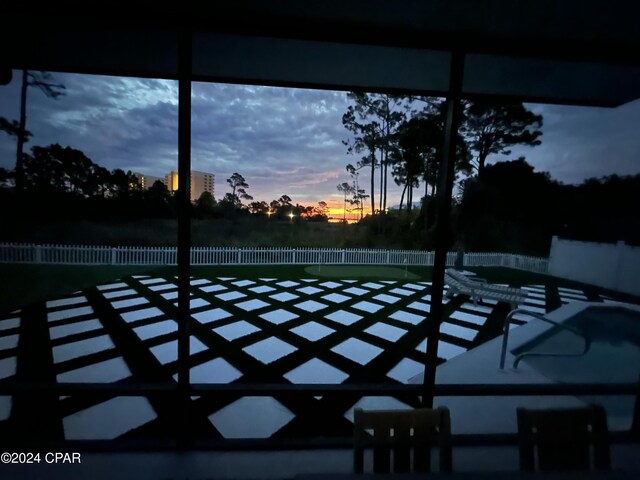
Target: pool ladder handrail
505, 338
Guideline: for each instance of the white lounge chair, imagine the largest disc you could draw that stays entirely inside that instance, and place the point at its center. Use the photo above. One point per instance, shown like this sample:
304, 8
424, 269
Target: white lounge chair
479, 288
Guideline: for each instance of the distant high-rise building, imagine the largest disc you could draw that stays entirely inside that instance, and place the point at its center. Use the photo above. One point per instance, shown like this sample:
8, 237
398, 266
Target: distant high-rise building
171, 181
200, 182
147, 180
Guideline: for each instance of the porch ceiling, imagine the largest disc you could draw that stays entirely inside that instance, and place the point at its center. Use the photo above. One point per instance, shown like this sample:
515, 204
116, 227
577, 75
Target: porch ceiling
573, 52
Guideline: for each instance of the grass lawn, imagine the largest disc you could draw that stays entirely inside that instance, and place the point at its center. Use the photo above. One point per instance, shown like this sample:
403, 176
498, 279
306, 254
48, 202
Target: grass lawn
23, 284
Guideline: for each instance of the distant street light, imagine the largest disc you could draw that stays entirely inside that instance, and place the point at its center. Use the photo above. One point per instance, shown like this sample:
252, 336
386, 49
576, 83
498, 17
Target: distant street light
291, 216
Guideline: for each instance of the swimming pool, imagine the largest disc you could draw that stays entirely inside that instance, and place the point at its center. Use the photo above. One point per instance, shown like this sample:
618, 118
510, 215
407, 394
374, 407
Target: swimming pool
613, 356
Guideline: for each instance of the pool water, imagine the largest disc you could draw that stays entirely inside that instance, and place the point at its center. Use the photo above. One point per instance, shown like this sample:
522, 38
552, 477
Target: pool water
613, 356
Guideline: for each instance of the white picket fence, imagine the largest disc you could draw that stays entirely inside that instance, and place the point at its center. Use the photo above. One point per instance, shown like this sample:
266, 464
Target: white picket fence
103, 255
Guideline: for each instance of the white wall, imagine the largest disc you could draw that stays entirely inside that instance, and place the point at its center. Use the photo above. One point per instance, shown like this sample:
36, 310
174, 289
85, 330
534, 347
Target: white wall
615, 266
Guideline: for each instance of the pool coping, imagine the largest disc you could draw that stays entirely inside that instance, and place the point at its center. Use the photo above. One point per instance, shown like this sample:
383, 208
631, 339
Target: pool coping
480, 366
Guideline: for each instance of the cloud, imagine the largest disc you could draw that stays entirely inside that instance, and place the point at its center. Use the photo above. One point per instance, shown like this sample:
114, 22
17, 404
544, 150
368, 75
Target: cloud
283, 141
118, 122
583, 142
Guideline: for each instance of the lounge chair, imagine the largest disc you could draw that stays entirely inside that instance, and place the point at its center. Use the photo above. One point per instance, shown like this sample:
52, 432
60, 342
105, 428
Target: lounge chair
479, 288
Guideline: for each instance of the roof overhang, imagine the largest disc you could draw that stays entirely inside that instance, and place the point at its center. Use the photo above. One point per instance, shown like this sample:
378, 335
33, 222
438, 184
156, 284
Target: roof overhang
573, 52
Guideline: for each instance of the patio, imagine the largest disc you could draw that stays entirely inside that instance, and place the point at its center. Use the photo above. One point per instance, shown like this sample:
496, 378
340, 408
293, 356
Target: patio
264, 330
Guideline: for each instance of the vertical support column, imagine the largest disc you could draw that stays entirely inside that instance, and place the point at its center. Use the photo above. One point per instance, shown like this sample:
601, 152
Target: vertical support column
445, 189
184, 228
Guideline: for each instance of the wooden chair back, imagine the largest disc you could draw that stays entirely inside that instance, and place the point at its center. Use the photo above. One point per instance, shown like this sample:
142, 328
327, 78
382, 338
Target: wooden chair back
402, 438
563, 439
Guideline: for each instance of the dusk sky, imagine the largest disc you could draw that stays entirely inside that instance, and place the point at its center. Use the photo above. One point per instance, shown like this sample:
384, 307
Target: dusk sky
283, 141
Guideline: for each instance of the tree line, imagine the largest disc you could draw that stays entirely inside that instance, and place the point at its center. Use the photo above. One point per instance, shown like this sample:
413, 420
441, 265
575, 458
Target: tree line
56, 176
511, 207
239, 202
404, 136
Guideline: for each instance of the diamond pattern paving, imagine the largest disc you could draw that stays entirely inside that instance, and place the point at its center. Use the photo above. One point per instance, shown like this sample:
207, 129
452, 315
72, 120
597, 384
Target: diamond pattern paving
7, 367
458, 331
9, 324
214, 371
383, 297
326, 332
151, 281
311, 306
107, 371
386, 332
407, 317
141, 314
119, 293
212, 315
405, 370
357, 350
109, 419
312, 331
284, 296
343, 317
129, 303
251, 417
250, 305
230, 296
168, 352
356, 291
111, 286
80, 348
367, 307
269, 350
309, 290
7, 342
262, 289
212, 288
316, 371
336, 298
66, 302
68, 313
156, 329
236, 330
278, 316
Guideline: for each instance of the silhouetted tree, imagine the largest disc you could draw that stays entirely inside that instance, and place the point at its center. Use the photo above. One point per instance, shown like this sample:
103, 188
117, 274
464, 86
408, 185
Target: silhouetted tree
122, 184
63, 169
346, 190
510, 207
416, 138
281, 207
12, 128
238, 190
359, 193
321, 212
492, 128
5, 176
160, 202
365, 140
260, 208
41, 80
373, 119
205, 204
